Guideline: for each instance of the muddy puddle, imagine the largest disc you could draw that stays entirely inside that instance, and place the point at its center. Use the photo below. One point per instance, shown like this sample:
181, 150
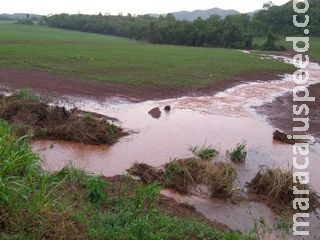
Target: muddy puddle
222, 121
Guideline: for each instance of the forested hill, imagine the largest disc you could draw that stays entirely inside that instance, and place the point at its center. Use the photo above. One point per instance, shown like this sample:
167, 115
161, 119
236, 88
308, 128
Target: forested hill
278, 19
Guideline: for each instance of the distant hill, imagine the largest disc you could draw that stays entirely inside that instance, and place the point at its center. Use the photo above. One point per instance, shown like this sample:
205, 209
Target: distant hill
18, 16
204, 14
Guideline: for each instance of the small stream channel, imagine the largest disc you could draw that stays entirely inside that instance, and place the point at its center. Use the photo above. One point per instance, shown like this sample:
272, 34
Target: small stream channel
221, 120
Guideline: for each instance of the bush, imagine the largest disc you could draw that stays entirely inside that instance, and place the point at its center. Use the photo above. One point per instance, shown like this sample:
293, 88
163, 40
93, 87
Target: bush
270, 44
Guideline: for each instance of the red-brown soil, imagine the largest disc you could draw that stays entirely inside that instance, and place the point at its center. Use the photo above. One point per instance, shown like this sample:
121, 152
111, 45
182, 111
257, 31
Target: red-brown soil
280, 112
45, 82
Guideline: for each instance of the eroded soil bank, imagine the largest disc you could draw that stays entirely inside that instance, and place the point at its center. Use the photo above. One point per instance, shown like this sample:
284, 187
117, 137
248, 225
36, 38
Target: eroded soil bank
28, 114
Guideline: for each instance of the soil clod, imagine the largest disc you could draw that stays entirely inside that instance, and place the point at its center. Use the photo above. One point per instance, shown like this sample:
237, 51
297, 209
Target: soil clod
155, 113
167, 108
282, 137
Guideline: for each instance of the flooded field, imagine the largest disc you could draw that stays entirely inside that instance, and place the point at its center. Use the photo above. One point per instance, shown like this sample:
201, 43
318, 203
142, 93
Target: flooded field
221, 120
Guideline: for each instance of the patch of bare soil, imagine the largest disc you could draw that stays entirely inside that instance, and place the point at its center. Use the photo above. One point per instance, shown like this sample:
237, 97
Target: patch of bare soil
280, 112
54, 84
56, 123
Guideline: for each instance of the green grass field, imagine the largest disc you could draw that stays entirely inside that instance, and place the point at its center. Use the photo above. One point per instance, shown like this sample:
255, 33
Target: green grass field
314, 50
118, 60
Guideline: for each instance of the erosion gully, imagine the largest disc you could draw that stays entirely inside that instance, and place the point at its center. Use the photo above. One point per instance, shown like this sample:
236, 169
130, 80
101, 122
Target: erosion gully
221, 120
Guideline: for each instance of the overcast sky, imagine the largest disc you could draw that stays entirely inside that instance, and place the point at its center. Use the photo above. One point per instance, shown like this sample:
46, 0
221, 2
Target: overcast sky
126, 6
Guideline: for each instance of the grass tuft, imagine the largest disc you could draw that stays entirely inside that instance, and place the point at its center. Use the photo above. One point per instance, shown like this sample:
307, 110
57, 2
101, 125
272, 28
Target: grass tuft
25, 95
239, 153
277, 184
182, 175
205, 152
220, 178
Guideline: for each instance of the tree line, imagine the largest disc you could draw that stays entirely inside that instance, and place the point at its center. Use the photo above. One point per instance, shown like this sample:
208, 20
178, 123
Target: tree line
279, 19
234, 31
231, 32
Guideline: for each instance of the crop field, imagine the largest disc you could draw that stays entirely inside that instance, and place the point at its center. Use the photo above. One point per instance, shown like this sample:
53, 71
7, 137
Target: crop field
118, 60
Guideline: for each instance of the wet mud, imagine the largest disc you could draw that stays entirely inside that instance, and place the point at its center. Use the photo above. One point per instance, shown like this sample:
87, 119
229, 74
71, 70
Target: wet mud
61, 85
280, 113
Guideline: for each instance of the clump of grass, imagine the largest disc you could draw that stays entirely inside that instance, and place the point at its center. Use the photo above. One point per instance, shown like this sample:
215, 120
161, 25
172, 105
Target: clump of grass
147, 173
179, 174
239, 153
204, 152
284, 225
95, 190
220, 179
27, 205
184, 174
71, 175
277, 184
77, 180
25, 95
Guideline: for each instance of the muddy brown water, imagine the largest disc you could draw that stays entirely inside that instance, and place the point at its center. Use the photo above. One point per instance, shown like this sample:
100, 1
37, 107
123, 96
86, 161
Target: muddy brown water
221, 120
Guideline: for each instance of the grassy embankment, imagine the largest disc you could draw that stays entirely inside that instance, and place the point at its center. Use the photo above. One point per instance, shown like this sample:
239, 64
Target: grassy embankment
314, 50
73, 205
118, 60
